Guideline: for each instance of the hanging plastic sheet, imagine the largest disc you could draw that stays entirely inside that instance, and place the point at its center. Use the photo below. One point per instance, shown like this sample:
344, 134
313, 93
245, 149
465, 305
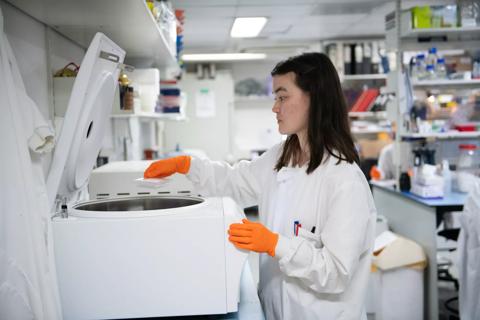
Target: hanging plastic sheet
28, 288
469, 255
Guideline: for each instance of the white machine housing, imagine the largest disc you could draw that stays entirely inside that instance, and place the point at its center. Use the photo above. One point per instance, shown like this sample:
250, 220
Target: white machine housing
119, 179
137, 256
148, 263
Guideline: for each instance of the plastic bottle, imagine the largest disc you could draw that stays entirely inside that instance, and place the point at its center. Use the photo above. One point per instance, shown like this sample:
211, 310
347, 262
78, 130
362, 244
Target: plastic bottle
447, 178
432, 57
441, 69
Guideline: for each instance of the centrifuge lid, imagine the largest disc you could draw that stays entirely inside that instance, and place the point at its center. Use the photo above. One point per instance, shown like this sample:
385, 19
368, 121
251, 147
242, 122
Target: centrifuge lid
86, 117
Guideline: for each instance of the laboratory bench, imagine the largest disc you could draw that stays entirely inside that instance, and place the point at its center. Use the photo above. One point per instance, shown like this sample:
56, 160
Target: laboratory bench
418, 218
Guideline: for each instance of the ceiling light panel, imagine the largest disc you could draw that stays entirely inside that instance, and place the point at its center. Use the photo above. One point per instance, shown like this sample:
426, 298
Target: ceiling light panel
247, 27
205, 57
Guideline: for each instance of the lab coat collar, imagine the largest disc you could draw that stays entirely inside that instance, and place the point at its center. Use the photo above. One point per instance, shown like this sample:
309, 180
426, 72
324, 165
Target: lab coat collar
287, 173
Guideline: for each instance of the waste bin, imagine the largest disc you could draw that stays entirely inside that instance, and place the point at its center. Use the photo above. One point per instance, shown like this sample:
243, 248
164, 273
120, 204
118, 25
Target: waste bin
397, 279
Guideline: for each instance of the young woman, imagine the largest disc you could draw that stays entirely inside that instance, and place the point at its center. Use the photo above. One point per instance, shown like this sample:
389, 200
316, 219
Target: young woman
316, 211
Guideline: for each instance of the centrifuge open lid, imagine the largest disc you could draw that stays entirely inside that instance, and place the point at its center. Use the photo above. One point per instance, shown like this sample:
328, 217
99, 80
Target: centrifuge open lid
85, 120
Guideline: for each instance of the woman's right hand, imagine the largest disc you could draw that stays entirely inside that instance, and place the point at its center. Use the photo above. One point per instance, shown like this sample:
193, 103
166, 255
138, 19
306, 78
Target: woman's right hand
166, 167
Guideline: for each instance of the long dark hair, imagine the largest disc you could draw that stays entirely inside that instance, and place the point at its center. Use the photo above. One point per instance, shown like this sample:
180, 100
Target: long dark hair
328, 125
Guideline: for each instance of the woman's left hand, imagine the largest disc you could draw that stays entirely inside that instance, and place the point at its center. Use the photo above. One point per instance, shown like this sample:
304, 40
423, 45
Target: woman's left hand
253, 236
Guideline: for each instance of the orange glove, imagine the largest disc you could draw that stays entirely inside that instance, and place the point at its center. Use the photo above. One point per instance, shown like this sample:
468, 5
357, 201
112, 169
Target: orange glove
375, 173
166, 167
253, 236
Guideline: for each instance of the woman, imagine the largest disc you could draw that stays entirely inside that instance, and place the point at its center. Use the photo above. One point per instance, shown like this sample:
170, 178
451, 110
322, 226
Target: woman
316, 212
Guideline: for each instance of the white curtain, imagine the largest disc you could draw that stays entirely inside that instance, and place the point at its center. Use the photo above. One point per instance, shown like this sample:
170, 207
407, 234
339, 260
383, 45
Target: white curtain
469, 255
28, 288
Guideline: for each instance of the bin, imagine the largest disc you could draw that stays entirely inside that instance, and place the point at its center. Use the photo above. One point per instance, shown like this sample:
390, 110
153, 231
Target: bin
397, 279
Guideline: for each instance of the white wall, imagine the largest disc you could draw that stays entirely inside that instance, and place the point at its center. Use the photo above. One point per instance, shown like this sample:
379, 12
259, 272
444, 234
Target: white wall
212, 134
254, 123
39, 52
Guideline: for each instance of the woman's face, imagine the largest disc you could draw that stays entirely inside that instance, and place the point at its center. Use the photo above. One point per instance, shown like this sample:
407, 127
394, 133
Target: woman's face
291, 105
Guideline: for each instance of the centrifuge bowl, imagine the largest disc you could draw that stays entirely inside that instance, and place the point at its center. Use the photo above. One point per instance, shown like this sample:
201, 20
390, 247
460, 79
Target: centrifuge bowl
135, 206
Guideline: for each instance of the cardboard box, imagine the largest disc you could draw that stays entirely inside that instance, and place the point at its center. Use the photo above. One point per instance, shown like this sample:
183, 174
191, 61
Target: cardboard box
458, 63
370, 149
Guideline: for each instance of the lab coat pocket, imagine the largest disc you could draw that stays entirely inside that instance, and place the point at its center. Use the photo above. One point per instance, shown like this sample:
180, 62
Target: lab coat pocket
315, 238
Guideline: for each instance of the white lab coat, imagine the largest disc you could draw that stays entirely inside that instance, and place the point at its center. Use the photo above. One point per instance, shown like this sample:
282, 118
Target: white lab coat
321, 275
469, 256
28, 288
385, 162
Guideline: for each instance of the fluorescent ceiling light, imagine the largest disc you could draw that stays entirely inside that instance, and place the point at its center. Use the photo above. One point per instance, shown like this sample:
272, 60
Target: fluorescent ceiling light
247, 27
201, 57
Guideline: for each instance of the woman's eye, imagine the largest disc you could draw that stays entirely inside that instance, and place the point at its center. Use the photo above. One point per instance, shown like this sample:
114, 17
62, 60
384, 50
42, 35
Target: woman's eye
281, 99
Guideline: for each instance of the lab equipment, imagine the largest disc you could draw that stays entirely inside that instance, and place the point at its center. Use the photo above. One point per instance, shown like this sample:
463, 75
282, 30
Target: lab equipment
404, 182
427, 184
132, 257
147, 83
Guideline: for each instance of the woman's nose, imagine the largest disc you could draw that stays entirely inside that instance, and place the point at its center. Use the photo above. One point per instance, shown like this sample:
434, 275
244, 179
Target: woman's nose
275, 108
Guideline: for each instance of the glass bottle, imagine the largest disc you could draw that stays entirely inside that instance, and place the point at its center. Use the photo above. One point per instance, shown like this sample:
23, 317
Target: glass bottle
420, 67
466, 167
430, 74
432, 56
441, 69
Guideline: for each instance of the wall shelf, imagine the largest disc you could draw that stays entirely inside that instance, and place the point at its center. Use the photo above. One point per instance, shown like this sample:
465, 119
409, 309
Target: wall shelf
458, 33
373, 76
369, 114
370, 131
129, 23
443, 135
447, 83
256, 99
150, 116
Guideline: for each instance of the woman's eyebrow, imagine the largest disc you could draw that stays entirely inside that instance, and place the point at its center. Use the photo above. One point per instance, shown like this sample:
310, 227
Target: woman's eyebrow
280, 89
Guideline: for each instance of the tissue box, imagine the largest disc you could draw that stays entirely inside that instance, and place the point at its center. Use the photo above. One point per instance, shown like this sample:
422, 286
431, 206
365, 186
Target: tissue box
433, 191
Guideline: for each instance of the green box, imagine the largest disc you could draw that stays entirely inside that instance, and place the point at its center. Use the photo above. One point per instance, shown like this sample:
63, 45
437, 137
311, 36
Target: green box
421, 17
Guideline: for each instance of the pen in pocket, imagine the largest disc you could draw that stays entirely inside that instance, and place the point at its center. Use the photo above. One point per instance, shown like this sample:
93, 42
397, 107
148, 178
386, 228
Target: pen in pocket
296, 226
